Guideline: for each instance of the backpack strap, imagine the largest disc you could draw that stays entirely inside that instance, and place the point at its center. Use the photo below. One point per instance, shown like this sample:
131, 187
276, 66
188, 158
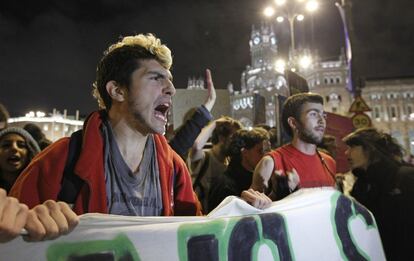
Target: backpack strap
71, 183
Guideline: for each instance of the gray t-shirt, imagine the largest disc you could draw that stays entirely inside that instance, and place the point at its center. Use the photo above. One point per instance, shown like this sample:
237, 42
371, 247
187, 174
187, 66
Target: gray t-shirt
129, 193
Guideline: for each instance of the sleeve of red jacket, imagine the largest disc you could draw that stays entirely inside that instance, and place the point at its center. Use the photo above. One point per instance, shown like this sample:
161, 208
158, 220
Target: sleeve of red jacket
41, 180
185, 200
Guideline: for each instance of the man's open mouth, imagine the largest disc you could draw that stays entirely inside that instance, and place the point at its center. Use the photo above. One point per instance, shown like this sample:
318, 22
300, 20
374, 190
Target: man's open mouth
162, 110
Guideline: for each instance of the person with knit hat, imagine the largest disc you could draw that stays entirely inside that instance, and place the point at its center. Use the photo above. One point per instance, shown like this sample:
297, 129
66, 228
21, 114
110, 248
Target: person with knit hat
385, 186
17, 149
44, 221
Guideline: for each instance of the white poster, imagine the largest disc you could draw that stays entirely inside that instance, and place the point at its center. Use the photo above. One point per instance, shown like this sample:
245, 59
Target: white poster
311, 224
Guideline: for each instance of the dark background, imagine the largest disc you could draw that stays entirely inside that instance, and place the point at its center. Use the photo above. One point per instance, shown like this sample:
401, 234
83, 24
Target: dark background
49, 49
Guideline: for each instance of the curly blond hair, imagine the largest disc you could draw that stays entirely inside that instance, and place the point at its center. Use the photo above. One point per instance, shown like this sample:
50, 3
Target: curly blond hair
121, 59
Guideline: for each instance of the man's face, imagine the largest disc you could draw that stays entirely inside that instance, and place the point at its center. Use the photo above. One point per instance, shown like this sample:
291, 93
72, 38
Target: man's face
357, 157
312, 123
149, 98
13, 153
252, 156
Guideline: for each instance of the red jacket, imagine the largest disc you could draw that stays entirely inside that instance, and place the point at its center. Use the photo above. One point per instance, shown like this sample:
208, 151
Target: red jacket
41, 180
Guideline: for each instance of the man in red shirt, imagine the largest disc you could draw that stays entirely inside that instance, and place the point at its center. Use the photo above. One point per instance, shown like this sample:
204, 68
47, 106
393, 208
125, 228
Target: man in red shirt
298, 162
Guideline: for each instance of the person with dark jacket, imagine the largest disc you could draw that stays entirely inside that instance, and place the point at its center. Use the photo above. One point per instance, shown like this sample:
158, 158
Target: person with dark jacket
246, 149
385, 186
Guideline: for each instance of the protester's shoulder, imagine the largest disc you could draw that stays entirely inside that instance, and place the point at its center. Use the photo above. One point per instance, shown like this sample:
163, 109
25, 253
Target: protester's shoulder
162, 143
282, 150
55, 151
327, 157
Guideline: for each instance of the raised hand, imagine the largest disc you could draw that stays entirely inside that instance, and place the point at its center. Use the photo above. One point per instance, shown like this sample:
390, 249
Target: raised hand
211, 97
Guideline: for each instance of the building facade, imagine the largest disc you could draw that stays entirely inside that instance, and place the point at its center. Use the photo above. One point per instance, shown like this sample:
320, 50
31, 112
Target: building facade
264, 85
55, 125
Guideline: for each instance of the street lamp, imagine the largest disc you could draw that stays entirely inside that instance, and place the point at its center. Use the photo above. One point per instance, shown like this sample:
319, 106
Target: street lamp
291, 10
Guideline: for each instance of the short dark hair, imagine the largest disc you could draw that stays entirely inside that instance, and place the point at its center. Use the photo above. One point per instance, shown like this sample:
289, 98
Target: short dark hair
122, 59
246, 139
292, 107
378, 145
225, 129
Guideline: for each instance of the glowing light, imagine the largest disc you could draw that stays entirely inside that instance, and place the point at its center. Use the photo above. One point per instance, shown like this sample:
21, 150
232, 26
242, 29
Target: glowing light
280, 2
312, 5
40, 114
269, 11
30, 114
300, 17
305, 62
280, 19
280, 65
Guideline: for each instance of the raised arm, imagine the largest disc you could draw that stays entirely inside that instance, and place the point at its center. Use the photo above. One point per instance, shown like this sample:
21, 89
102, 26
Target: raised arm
262, 174
211, 96
196, 152
187, 134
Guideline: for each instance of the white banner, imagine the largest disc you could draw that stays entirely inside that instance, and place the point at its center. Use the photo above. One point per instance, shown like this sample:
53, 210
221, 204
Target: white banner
311, 224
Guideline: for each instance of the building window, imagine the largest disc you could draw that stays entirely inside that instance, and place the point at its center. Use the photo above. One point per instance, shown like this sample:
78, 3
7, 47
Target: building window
325, 80
377, 112
333, 97
393, 112
338, 80
410, 114
411, 137
392, 95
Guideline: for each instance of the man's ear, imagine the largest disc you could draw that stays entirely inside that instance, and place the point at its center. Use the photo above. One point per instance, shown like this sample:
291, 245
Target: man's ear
243, 151
115, 91
293, 124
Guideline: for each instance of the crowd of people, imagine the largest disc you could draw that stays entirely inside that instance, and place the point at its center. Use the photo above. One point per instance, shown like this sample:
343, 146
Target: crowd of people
122, 163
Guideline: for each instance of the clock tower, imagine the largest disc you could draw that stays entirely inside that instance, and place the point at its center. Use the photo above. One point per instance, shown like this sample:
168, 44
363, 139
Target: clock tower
263, 46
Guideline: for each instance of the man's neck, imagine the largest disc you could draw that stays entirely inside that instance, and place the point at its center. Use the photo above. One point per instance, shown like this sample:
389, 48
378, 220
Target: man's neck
304, 147
131, 142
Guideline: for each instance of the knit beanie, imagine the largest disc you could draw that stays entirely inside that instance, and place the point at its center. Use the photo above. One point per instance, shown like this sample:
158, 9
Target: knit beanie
32, 145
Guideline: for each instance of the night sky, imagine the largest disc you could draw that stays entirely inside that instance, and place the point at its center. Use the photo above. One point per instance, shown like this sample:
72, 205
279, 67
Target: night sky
49, 49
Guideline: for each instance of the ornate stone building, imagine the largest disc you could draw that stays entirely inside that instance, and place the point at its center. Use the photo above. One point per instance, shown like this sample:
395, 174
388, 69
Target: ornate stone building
264, 86
392, 104
261, 83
